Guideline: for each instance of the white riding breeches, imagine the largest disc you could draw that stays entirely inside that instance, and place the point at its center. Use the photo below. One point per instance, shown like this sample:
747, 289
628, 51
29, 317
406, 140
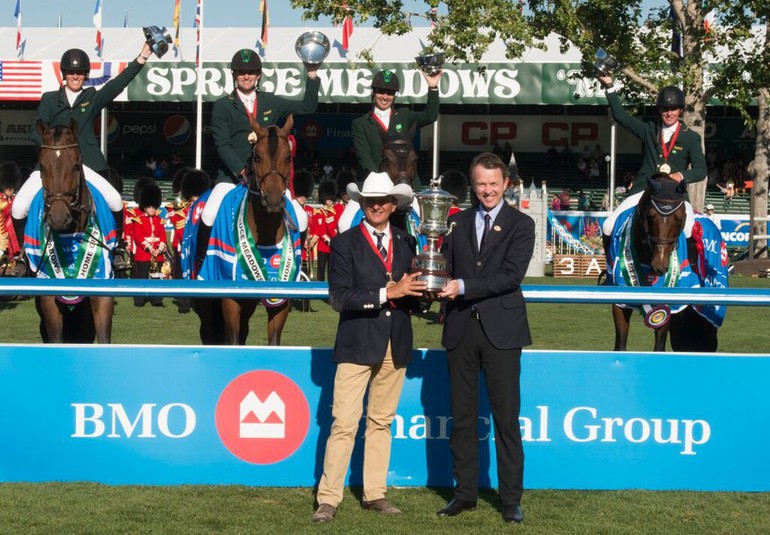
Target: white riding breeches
209, 213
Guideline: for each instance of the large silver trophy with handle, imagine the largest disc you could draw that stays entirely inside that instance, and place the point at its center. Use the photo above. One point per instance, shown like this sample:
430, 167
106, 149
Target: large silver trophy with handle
604, 63
312, 47
430, 63
434, 210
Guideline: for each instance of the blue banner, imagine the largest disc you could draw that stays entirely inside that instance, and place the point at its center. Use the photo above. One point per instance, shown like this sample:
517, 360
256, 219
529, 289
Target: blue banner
161, 415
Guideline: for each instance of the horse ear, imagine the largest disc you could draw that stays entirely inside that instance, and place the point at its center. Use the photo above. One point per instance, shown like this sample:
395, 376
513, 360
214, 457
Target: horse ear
653, 184
40, 127
288, 125
258, 130
74, 127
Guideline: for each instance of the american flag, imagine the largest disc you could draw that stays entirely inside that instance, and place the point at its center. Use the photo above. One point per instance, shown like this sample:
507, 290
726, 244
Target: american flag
21, 80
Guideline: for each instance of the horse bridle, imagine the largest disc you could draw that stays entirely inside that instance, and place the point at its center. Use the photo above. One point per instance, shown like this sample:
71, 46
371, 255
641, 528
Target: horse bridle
665, 210
73, 194
256, 188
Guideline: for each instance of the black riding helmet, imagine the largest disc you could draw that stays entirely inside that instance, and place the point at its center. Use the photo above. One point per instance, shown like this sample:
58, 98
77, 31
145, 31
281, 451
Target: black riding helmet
75, 60
670, 97
386, 80
245, 60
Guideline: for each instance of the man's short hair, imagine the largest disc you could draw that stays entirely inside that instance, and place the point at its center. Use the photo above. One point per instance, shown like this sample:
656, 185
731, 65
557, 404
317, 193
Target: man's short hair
488, 160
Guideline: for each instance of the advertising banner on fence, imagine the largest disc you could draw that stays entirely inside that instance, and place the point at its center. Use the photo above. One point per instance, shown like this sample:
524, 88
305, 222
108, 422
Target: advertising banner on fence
261, 416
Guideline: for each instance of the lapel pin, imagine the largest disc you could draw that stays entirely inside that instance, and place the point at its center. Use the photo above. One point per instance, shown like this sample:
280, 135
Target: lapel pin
497, 228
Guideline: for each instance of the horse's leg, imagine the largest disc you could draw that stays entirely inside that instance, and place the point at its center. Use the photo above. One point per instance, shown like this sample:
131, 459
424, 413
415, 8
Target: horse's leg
248, 306
661, 335
102, 309
231, 312
621, 317
276, 319
51, 319
209, 312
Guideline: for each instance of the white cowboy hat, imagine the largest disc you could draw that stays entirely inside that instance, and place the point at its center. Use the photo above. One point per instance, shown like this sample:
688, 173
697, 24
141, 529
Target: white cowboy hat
709, 206
380, 185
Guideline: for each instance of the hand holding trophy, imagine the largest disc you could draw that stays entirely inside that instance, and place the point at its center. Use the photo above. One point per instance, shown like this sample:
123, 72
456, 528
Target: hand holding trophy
605, 65
158, 39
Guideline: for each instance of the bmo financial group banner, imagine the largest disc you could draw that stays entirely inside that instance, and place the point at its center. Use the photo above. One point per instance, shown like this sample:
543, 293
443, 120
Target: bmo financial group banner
259, 416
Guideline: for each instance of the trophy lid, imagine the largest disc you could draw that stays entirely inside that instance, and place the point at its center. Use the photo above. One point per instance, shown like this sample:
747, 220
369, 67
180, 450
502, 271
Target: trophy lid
435, 193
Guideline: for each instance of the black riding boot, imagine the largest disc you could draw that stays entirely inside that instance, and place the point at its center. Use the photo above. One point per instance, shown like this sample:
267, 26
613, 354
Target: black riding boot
121, 260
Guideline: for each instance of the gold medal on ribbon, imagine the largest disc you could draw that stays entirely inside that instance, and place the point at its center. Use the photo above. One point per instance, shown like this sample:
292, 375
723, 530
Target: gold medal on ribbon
664, 168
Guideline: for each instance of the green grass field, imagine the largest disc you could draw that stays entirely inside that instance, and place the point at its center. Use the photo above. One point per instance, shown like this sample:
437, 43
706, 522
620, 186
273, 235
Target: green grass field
93, 508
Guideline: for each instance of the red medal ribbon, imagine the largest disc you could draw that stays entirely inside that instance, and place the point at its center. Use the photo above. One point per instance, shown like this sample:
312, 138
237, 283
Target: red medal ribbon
388, 262
379, 121
667, 148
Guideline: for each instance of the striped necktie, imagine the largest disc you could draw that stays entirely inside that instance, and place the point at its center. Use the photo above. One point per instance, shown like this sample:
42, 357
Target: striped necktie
380, 246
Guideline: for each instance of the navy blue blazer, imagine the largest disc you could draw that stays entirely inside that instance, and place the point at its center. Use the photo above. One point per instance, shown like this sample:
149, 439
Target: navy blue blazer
356, 274
492, 277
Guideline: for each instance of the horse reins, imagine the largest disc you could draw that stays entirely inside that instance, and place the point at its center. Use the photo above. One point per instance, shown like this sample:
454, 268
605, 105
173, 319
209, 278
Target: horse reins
273, 171
74, 193
665, 211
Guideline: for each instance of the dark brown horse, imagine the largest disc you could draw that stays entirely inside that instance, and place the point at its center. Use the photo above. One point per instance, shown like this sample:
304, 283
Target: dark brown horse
68, 209
266, 219
399, 157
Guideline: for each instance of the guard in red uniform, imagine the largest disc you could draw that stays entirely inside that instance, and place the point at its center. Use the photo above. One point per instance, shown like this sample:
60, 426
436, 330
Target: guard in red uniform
148, 235
325, 224
304, 186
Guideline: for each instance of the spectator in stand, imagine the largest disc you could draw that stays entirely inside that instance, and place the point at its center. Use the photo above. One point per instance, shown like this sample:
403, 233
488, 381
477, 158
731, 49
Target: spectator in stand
593, 173
597, 154
148, 234
586, 154
729, 192
564, 199
584, 201
556, 202
583, 169
553, 154
325, 225
710, 212
567, 156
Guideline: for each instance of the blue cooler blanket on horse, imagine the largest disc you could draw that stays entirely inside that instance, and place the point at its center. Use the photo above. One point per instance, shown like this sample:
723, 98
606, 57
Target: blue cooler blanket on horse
232, 253
189, 243
709, 270
81, 255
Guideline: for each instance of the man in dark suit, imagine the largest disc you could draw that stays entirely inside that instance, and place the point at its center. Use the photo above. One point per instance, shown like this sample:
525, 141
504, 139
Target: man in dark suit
374, 340
385, 120
485, 328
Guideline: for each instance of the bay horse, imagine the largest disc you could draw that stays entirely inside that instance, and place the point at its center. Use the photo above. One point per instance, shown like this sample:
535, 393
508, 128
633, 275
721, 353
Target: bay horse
71, 221
399, 161
266, 223
654, 252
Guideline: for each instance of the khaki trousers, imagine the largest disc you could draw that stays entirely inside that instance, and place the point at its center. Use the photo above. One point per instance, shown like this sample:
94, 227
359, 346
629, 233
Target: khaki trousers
350, 382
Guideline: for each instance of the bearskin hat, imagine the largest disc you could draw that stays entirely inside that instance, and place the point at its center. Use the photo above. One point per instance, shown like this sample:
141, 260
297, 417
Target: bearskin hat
10, 176
194, 183
456, 183
150, 195
176, 181
304, 183
139, 186
343, 179
327, 191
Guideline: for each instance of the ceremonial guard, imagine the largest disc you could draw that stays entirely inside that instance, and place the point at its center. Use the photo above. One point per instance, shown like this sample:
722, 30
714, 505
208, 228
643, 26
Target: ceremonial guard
148, 236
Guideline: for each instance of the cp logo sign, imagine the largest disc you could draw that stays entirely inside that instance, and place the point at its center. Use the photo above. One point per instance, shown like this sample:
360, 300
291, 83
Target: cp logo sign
262, 417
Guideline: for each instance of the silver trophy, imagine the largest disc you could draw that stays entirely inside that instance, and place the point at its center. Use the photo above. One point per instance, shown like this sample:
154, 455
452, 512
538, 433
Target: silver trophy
430, 63
604, 63
434, 210
158, 39
312, 47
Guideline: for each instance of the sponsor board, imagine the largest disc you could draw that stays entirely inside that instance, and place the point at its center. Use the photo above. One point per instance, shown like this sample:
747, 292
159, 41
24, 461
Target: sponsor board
261, 416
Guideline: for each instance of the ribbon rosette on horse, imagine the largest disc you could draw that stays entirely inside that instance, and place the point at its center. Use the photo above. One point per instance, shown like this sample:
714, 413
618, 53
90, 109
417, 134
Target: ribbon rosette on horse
649, 247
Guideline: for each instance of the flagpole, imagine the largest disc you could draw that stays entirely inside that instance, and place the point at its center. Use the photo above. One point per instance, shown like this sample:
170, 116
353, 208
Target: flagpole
103, 140
199, 107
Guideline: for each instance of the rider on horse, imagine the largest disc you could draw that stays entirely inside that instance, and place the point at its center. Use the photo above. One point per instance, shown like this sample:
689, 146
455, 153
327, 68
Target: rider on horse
385, 119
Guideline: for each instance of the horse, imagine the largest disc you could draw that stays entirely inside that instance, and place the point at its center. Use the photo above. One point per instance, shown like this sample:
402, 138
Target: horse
399, 157
70, 234
650, 250
262, 219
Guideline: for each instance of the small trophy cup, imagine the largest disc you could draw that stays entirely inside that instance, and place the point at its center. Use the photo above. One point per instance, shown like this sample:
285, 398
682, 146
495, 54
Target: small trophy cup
312, 47
430, 63
604, 63
158, 39
434, 209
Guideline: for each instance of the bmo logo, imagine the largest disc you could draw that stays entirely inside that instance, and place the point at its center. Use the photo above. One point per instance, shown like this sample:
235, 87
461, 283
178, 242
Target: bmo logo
262, 417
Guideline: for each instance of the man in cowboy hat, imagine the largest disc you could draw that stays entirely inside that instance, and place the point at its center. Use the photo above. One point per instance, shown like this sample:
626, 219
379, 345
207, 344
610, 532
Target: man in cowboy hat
385, 120
370, 288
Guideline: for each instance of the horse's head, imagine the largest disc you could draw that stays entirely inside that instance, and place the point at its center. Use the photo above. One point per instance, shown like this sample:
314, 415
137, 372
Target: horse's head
662, 215
399, 158
64, 190
271, 155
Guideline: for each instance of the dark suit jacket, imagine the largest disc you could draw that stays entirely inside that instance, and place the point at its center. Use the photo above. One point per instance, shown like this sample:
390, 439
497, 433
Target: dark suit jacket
366, 131
55, 110
356, 275
492, 277
230, 124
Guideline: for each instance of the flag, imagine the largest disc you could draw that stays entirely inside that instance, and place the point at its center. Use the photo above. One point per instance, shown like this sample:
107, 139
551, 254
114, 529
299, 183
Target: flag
125, 19
177, 11
21, 80
347, 30
676, 37
17, 14
198, 33
98, 24
265, 22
